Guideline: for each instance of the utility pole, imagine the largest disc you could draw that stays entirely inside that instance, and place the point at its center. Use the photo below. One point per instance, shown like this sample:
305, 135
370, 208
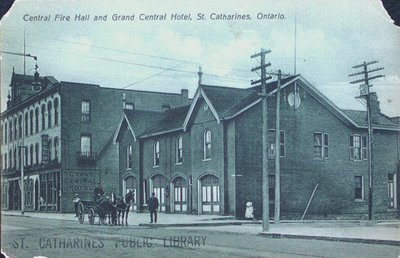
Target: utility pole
277, 213
365, 94
263, 94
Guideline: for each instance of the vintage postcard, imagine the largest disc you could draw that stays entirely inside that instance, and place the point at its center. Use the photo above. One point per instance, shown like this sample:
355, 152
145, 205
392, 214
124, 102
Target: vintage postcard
200, 129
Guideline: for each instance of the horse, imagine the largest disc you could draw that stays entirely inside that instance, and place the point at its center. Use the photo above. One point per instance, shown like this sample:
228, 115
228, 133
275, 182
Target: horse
123, 206
106, 208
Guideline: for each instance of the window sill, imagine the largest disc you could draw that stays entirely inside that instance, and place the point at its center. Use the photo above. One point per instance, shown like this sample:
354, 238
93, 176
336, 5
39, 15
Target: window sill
129, 169
359, 200
320, 159
156, 166
207, 159
178, 164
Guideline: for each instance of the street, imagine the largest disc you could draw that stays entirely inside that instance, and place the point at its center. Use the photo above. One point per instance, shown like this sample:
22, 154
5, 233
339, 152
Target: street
29, 237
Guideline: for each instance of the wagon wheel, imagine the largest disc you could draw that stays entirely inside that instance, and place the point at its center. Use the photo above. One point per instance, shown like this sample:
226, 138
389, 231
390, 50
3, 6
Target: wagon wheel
91, 216
81, 212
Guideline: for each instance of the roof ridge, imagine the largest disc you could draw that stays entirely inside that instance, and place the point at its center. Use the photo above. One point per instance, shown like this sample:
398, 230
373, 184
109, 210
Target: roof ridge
224, 87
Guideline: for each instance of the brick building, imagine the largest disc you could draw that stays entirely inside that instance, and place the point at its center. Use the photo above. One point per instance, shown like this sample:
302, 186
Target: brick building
206, 157
66, 130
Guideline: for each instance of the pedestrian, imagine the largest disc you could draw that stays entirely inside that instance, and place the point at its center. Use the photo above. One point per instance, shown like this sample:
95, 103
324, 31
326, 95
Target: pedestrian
76, 202
153, 206
41, 203
249, 214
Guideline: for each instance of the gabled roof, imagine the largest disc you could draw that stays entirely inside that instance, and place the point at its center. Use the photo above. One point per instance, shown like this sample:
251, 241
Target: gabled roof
171, 120
137, 121
360, 117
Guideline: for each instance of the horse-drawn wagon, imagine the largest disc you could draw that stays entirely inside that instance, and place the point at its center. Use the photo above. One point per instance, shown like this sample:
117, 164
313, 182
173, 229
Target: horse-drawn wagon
101, 208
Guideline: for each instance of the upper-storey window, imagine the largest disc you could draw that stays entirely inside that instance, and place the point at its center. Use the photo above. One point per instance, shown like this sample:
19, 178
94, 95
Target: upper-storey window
358, 147
11, 131
56, 111
129, 157
37, 120
37, 153
26, 123
86, 145
130, 106
56, 147
43, 117
321, 146
207, 144
31, 121
5, 133
49, 108
179, 150
85, 111
20, 126
156, 153
15, 128
272, 143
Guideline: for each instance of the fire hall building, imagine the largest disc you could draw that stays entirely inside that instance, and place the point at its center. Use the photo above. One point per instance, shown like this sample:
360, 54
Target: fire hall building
205, 158
61, 132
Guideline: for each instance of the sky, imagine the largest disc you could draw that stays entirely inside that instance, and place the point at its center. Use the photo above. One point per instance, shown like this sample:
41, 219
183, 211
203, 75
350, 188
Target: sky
165, 55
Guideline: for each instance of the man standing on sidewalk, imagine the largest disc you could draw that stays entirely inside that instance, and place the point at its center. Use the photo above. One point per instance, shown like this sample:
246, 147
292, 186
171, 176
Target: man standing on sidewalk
76, 202
153, 206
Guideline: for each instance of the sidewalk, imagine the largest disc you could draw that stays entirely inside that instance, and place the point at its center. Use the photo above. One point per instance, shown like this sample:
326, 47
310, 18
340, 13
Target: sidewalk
379, 232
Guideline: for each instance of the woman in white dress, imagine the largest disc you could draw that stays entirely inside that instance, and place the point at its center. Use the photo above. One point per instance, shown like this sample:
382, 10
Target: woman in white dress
249, 209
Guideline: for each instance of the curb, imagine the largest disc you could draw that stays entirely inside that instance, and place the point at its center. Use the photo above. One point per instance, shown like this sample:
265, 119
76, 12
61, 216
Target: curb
328, 238
190, 224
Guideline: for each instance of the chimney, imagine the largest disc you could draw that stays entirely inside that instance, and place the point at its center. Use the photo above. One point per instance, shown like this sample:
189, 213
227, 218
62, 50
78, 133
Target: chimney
165, 107
374, 107
184, 95
123, 100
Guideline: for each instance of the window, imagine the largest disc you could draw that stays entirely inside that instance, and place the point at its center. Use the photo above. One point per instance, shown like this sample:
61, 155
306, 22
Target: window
56, 111
129, 157
19, 157
156, 153
179, 150
26, 123
15, 129
31, 122
358, 188
43, 117
26, 156
50, 144
392, 191
358, 147
144, 188
5, 133
56, 146
85, 111
271, 143
49, 107
37, 153
11, 131
321, 146
20, 126
130, 106
86, 145
36, 120
207, 145
5, 161
31, 154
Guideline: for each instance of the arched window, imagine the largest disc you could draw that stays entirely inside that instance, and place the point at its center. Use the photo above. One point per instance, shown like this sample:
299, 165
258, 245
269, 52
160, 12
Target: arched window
26, 123
20, 126
50, 145
31, 154
15, 128
43, 117
179, 150
207, 144
56, 111
49, 108
31, 121
5, 133
37, 153
156, 153
11, 130
10, 159
15, 158
26, 156
37, 119
129, 157
56, 147
19, 158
